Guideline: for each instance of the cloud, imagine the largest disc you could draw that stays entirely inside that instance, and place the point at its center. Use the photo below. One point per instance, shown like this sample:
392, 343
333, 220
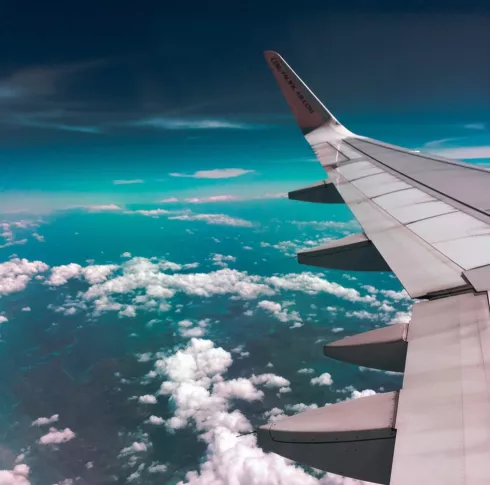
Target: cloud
43, 421
153, 282
323, 380
192, 332
93, 274
36, 97
312, 284
269, 380
215, 219
190, 375
199, 394
16, 273
128, 311
301, 407
212, 198
156, 420
128, 182
151, 212
358, 394
401, 317
221, 198
103, 207
145, 357
54, 436
238, 389
306, 371
282, 314
218, 173
13, 243
437, 147
221, 259
17, 476
274, 414
275, 195
291, 248
395, 295
40, 81
36, 121
349, 226
363, 315
135, 447
475, 126
147, 399
156, 468
165, 123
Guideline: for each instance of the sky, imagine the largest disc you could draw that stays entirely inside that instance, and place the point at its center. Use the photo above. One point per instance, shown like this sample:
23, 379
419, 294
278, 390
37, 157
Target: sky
87, 90
151, 306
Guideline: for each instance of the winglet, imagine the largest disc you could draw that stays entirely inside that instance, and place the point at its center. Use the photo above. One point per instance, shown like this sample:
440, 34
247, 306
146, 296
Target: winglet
308, 110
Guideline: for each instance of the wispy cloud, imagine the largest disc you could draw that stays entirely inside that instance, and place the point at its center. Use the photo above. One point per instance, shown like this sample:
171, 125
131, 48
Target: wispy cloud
167, 123
475, 126
464, 152
103, 207
151, 212
278, 195
39, 97
217, 173
223, 198
216, 219
40, 81
128, 182
213, 198
36, 123
430, 145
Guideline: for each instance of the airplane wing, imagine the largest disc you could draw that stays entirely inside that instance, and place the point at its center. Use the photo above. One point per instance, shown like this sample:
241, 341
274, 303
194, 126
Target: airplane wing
427, 219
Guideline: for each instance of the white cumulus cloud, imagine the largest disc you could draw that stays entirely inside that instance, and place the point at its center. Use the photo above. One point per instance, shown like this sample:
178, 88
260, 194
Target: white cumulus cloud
17, 476
277, 310
43, 421
147, 399
323, 380
270, 380
16, 273
239, 389
54, 436
156, 420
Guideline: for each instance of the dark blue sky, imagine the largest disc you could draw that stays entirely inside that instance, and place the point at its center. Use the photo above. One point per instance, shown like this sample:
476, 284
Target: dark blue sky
72, 70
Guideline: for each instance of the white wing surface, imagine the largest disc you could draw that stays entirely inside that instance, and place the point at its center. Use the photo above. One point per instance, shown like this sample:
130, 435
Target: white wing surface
427, 219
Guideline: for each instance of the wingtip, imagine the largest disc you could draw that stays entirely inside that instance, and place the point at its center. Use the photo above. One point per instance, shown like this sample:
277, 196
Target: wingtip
270, 53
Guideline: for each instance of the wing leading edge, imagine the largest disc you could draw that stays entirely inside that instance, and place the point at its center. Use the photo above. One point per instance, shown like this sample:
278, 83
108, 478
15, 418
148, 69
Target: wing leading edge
428, 220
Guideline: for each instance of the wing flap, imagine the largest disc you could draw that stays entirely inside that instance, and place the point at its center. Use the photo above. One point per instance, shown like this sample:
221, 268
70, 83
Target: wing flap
354, 438
443, 418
